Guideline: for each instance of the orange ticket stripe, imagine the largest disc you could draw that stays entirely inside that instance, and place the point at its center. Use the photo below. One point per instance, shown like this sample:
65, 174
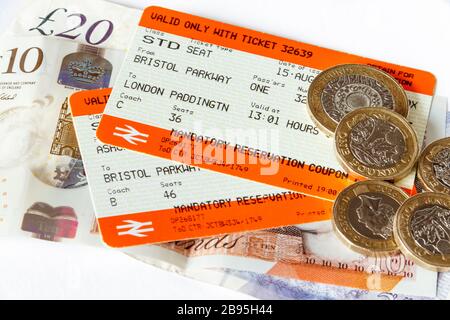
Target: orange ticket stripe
170, 224
295, 176
89, 102
279, 48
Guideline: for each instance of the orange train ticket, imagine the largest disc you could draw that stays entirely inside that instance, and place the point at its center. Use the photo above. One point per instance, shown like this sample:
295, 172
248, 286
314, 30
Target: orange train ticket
231, 100
140, 199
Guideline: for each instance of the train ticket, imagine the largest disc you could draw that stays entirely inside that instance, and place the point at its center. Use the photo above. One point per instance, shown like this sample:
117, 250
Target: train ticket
140, 199
232, 100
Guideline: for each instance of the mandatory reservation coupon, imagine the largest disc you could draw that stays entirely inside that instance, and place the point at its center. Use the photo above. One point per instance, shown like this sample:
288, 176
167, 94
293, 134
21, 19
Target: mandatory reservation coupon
170, 200
232, 102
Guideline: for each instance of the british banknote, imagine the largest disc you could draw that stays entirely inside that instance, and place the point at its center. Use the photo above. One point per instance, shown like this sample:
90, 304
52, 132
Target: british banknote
53, 48
86, 67
39, 152
263, 286
267, 287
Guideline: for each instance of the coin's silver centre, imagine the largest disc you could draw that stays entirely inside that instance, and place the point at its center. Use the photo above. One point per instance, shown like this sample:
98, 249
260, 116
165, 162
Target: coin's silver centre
371, 214
349, 92
377, 143
430, 227
357, 100
441, 167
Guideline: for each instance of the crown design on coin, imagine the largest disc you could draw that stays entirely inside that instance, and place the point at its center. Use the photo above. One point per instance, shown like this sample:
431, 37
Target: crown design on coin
377, 143
431, 229
85, 71
441, 167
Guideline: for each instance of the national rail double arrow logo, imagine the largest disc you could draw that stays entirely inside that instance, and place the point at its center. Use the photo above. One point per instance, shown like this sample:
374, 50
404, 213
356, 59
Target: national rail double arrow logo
135, 228
130, 134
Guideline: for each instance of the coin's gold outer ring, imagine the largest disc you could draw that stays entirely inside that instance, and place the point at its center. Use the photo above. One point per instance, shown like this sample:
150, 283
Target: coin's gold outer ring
425, 173
319, 125
314, 105
348, 235
345, 157
404, 238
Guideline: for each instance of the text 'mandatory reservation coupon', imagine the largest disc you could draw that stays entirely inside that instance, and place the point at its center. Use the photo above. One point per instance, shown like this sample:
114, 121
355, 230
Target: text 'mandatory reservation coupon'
232, 100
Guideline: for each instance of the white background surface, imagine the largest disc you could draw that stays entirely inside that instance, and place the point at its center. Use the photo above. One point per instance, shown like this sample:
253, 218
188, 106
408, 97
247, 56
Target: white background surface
414, 33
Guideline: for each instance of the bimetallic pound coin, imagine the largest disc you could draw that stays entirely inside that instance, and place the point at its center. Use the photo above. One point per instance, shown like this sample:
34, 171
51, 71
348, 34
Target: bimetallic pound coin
422, 230
341, 89
376, 143
433, 168
363, 216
